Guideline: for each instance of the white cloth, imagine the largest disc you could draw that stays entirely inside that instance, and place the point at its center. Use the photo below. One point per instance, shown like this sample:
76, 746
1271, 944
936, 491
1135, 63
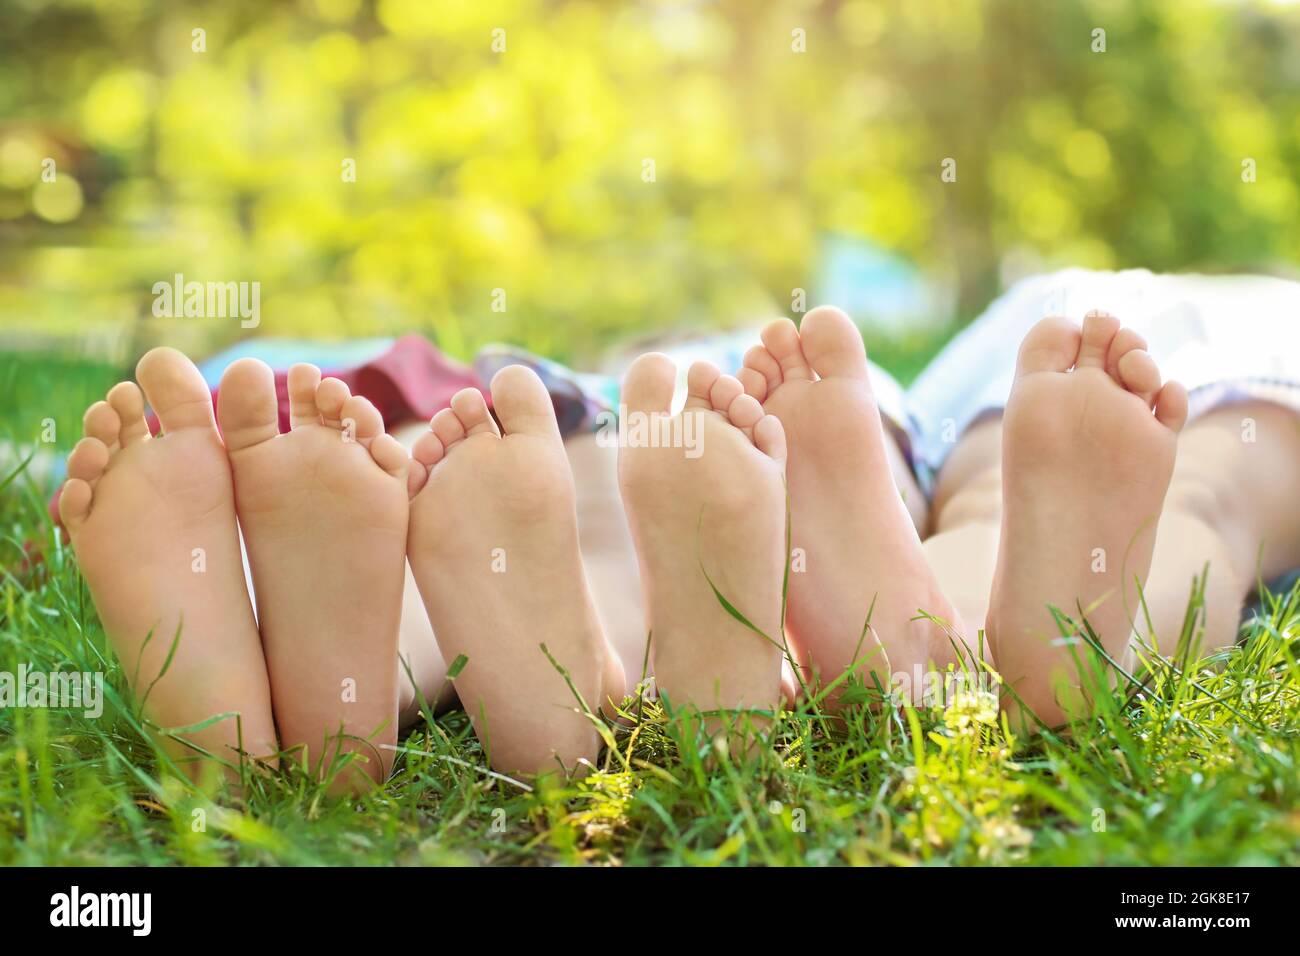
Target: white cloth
1225, 338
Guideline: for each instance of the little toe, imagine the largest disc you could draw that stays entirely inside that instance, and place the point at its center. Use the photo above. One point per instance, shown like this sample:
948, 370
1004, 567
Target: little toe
744, 412
1099, 330
769, 437
175, 389
782, 341
128, 401
649, 382
246, 404
74, 503
1138, 373
428, 449
1052, 345
523, 403
832, 344
1125, 341
471, 408
390, 455
725, 391
699, 381
303, 382
361, 421
330, 396
1171, 406
760, 360
101, 421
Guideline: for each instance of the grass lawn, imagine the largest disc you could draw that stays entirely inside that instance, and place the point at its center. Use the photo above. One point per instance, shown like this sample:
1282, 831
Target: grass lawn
1198, 766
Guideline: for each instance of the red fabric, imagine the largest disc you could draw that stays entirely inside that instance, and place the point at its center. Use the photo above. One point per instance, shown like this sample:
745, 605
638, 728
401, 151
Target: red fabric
412, 380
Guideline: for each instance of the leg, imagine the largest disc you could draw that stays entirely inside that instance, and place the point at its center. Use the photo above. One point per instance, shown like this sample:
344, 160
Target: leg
720, 512
152, 522
1228, 505
494, 549
856, 553
323, 509
1231, 504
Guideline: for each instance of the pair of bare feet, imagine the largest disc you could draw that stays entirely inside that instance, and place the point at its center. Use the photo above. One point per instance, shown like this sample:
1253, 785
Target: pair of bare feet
329, 512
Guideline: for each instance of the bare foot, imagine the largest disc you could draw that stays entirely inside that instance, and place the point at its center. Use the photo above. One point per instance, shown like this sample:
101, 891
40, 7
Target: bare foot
856, 550
494, 547
152, 521
1087, 452
324, 513
715, 503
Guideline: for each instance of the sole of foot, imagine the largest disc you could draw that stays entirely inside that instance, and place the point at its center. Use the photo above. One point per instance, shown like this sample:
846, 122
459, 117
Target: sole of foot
856, 553
709, 507
494, 548
152, 522
323, 508
1089, 437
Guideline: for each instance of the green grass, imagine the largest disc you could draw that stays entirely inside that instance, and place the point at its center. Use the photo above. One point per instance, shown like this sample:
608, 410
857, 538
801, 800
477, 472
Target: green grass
1197, 766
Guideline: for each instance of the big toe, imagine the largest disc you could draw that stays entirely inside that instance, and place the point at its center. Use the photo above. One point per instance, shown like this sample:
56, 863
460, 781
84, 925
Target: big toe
1051, 346
832, 344
649, 382
246, 404
522, 403
176, 391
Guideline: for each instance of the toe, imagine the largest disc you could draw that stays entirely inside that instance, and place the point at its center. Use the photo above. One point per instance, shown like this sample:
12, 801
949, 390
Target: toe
417, 476
1099, 330
74, 503
725, 391
101, 422
1125, 341
648, 384
330, 396
175, 390
522, 403
471, 408
390, 455
1051, 346
769, 437
1171, 406
782, 341
447, 428
88, 460
361, 421
699, 381
427, 450
754, 383
759, 360
127, 400
832, 344
304, 380
1138, 373
246, 404
744, 412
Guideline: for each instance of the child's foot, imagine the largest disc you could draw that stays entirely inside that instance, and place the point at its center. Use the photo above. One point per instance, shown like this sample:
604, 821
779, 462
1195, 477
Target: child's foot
494, 548
713, 502
152, 521
856, 550
324, 512
1085, 466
